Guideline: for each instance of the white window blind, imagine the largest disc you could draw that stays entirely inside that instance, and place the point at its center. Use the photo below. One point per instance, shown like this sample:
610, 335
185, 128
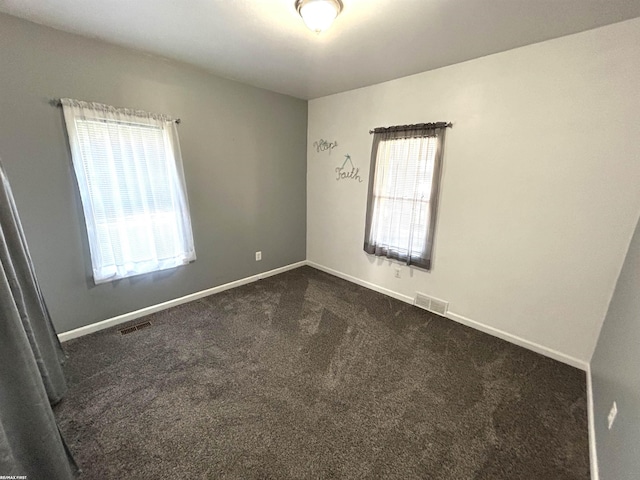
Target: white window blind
129, 173
402, 197
403, 193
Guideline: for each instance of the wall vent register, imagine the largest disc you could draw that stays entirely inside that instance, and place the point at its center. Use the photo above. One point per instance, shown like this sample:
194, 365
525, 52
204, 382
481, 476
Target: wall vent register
432, 304
135, 328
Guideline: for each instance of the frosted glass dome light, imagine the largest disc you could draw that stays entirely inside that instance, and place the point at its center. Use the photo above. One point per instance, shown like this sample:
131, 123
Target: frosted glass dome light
318, 15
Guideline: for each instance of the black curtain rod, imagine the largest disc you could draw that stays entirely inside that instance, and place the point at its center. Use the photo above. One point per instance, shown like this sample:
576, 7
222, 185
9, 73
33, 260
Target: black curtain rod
56, 102
418, 126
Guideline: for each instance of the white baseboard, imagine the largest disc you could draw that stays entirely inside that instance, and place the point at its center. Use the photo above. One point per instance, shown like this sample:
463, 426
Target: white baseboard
593, 453
548, 352
127, 317
94, 327
521, 342
362, 283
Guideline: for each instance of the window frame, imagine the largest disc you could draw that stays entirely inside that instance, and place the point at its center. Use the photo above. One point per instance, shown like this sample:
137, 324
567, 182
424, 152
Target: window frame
139, 243
375, 243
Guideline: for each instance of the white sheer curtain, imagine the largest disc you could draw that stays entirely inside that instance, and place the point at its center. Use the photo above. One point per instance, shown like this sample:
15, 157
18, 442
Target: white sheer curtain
129, 171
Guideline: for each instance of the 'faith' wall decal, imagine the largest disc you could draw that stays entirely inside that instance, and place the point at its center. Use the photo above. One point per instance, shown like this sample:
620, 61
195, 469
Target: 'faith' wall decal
342, 174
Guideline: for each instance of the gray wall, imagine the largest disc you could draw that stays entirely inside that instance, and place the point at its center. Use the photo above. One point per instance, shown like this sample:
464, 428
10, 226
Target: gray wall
244, 152
615, 370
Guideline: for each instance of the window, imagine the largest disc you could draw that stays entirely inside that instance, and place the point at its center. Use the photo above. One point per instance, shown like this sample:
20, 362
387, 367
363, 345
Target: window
403, 192
129, 172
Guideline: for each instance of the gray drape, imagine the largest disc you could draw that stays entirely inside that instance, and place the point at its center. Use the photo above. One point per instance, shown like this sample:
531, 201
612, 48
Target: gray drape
31, 376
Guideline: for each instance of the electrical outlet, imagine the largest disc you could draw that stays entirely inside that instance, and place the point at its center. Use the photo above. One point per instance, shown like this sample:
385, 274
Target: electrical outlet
258, 256
397, 269
612, 415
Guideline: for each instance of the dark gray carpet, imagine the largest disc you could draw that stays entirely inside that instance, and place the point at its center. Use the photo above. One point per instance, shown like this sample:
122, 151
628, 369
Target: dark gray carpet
304, 375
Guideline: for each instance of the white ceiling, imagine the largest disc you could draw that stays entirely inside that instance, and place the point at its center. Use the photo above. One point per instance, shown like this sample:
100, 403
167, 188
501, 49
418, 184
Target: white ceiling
265, 43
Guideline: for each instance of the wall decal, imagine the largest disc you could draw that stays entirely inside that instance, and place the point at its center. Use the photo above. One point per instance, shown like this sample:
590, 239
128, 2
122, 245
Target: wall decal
341, 174
322, 145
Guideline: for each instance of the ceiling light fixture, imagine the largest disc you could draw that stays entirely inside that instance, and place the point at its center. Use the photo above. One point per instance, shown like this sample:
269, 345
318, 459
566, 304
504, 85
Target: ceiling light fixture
318, 15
